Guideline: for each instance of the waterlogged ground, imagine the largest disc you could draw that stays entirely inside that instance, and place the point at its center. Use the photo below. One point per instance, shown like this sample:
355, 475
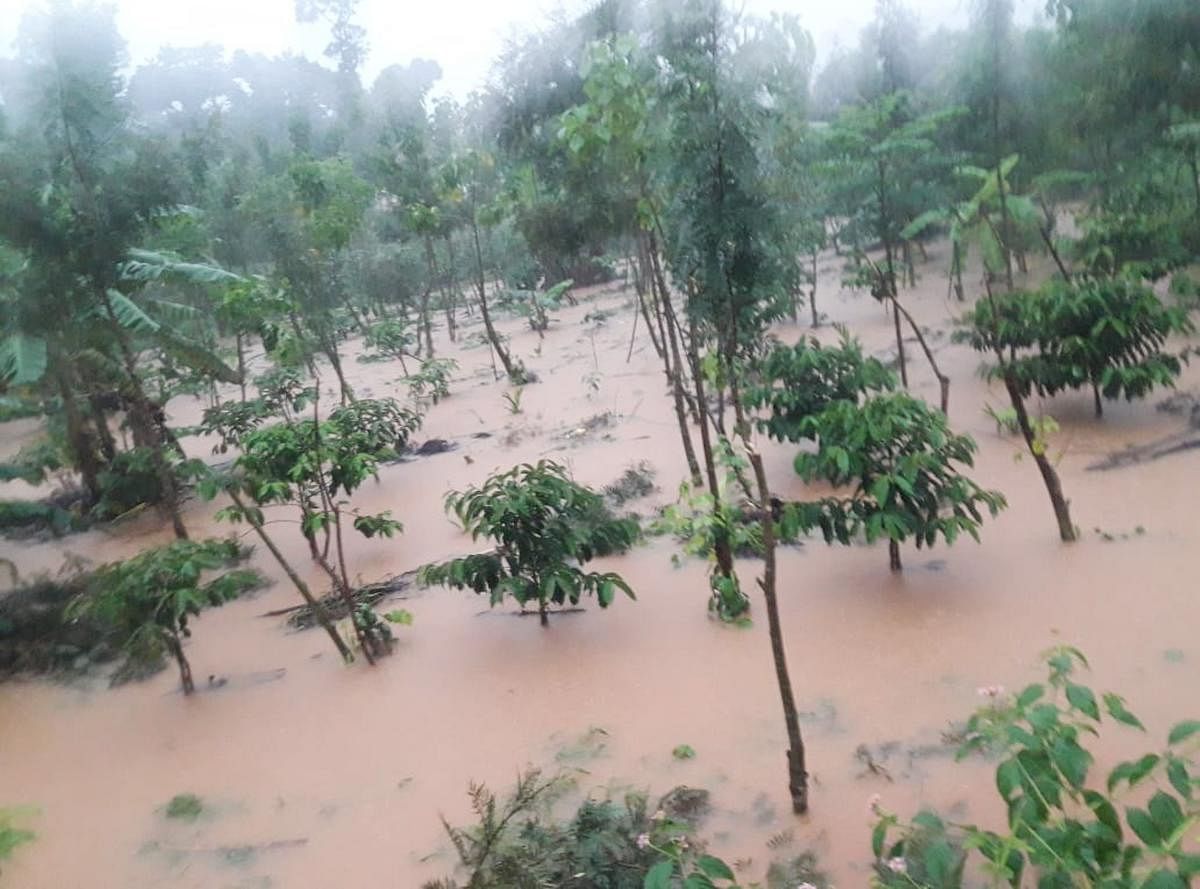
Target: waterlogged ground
315, 775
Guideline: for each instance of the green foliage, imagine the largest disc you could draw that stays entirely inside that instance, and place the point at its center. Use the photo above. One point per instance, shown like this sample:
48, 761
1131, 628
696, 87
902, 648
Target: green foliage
151, 598
902, 462
515, 842
545, 526
131, 480
432, 382
12, 834
683, 751
1063, 828
1106, 333
390, 338
23, 516
513, 399
798, 382
184, 807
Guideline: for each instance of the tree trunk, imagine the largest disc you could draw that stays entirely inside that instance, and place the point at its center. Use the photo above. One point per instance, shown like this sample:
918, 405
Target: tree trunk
797, 772
900, 344
543, 614
497, 345
426, 294
1062, 512
241, 364
175, 646
144, 423
449, 291
83, 451
722, 549
812, 296
317, 608
943, 380
108, 444
957, 265
335, 361
1099, 403
894, 555
674, 368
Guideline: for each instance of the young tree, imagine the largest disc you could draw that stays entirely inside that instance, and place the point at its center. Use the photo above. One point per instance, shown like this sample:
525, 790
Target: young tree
1107, 334
152, 597
545, 527
999, 326
902, 462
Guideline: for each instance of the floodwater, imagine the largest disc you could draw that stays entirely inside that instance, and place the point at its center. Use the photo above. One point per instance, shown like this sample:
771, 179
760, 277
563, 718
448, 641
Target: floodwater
317, 775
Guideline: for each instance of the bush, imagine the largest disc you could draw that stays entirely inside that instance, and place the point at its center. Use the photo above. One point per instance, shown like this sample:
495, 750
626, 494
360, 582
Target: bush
1064, 829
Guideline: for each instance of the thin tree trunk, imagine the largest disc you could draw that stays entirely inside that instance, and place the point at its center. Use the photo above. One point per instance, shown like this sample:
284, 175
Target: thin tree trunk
812, 297
335, 361
797, 771
175, 645
1099, 402
900, 343
674, 368
426, 294
449, 292
1062, 511
721, 546
894, 556
318, 609
241, 364
943, 380
497, 345
108, 444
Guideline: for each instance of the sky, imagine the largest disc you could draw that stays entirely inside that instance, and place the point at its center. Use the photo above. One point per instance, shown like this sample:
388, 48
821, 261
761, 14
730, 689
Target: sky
463, 36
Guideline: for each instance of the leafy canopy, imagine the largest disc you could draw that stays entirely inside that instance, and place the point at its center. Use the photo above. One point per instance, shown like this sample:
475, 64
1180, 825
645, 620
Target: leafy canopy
545, 526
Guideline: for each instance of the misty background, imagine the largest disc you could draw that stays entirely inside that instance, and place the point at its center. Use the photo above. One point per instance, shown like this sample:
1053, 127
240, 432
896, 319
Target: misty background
463, 36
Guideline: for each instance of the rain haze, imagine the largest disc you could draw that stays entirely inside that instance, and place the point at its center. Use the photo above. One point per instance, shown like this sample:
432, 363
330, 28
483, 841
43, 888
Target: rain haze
462, 36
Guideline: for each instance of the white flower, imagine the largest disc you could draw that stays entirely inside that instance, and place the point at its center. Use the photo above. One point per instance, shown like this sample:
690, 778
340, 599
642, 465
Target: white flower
643, 840
658, 816
897, 865
805, 886
990, 691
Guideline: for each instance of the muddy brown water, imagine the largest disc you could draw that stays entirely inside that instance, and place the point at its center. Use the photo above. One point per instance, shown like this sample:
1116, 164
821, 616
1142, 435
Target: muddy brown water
315, 775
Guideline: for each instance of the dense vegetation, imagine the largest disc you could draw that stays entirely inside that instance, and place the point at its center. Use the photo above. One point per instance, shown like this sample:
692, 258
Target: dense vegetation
217, 226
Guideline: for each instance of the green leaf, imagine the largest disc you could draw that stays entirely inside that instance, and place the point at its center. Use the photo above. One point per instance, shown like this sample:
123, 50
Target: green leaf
1083, 699
1177, 774
1164, 879
1116, 709
1143, 825
659, 876
1182, 731
877, 837
199, 358
698, 881
1072, 760
22, 359
684, 751
939, 861
129, 315
399, 616
1030, 694
715, 868
1166, 812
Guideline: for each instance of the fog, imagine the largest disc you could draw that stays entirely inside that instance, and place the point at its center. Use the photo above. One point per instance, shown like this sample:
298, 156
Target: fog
463, 36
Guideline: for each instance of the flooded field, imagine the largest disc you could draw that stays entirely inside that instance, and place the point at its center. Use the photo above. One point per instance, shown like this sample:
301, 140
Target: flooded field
317, 775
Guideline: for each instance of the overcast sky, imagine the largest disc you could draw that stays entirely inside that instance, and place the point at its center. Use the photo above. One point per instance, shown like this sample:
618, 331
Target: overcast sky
463, 36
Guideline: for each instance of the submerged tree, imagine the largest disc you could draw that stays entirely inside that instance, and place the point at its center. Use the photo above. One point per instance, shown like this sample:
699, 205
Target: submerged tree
903, 465
152, 597
545, 527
